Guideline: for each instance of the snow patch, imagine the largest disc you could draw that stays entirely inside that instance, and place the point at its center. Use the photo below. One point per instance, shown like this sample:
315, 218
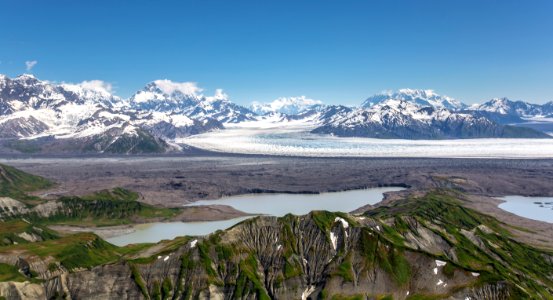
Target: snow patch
440, 263
334, 240
308, 291
345, 223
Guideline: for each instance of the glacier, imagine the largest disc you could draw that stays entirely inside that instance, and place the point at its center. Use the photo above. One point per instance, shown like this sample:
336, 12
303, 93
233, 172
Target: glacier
294, 139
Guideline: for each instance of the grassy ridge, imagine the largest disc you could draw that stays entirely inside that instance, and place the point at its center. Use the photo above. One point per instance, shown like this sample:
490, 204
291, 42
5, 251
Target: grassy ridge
14, 231
106, 208
526, 270
16, 184
81, 250
499, 257
10, 273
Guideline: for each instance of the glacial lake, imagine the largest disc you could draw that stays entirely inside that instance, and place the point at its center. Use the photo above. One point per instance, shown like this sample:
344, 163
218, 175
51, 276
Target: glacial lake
535, 208
266, 204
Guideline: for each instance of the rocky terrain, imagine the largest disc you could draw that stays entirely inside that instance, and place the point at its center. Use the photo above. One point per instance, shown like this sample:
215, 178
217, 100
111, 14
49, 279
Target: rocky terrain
424, 114
40, 116
426, 245
172, 181
401, 119
442, 238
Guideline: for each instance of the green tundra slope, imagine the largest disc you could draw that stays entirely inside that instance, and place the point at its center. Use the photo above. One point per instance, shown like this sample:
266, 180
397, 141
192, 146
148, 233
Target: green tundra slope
16, 184
107, 207
421, 247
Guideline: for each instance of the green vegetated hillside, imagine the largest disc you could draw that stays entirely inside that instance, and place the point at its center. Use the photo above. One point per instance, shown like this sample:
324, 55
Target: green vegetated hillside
107, 207
16, 184
420, 247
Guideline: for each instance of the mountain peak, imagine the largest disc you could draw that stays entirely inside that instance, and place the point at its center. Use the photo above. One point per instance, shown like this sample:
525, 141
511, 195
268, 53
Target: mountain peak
418, 92
26, 76
286, 105
218, 96
420, 97
505, 106
166, 91
169, 87
501, 100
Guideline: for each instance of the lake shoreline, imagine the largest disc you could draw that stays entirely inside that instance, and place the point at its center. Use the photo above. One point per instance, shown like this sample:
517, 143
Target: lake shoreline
529, 207
253, 205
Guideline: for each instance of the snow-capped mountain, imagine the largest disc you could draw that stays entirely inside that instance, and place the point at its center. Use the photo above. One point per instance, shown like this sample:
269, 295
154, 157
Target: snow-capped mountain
25, 91
504, 106
404, 119
420, 97
36, 110
38, 115
30, 107
186, 99
287, 106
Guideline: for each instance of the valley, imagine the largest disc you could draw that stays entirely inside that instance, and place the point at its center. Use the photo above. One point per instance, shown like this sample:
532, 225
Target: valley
172, 193
276, 150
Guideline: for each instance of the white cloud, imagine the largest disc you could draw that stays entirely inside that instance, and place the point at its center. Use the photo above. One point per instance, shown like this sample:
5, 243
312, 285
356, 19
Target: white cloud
30, 64
187, 88
169, 87
219, 95
98, 86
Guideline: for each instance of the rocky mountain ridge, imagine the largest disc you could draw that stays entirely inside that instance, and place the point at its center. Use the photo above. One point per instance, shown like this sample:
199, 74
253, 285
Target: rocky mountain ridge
40, 116
406, 120
85, 118
423, 98
426, 246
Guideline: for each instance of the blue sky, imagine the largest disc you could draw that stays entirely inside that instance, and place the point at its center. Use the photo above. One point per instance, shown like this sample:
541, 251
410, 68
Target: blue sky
335, 51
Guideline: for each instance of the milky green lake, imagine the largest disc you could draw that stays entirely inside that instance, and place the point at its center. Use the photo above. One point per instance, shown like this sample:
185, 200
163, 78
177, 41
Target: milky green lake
267, 204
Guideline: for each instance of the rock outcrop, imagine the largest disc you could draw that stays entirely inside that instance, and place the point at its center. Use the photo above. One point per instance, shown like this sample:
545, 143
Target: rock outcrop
430, 246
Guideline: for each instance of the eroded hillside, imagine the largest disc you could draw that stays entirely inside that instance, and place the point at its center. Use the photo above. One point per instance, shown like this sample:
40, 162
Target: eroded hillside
427, 246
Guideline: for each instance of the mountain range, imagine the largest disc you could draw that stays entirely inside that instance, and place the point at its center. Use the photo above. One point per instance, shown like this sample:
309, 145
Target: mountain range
41, 116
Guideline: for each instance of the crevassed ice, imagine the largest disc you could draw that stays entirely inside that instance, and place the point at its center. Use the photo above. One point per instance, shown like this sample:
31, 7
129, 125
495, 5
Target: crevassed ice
297, 142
